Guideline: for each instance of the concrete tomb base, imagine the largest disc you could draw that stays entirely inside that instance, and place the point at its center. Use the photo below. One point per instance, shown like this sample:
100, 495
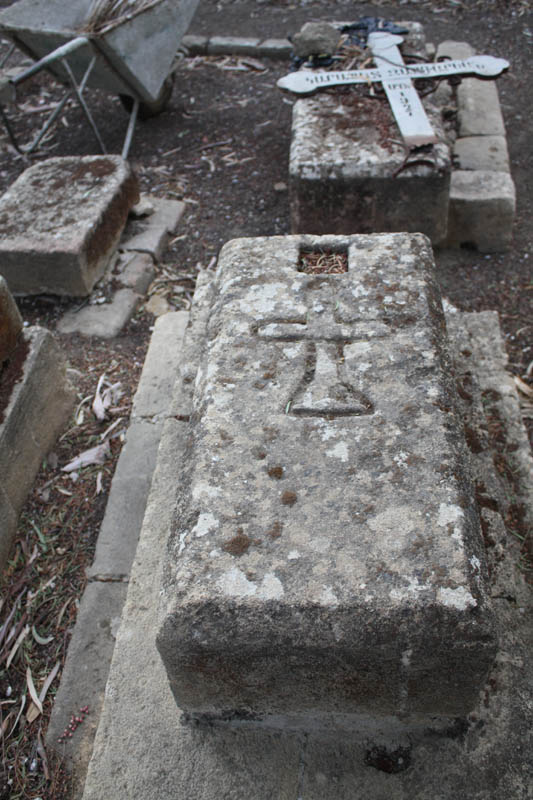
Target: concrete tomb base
349, 171
144, 747
61, 222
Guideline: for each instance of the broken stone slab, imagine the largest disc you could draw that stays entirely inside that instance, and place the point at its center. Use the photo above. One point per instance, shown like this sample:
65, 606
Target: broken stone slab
136, 272
347, 171
10, 322
284, 594
61, 222
35, 401
482, 210
106, 320
151, 236
485, 153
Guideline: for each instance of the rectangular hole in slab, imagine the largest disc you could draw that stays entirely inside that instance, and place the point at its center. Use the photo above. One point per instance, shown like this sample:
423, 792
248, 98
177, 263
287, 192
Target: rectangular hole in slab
323, 261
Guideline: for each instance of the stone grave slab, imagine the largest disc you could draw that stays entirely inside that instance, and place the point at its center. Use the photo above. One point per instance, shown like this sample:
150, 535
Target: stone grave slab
325, 558
61, 221
35, 401
349, 170
145, 748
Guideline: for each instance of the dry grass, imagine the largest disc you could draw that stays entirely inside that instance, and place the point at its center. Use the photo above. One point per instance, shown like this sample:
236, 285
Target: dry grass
104, 14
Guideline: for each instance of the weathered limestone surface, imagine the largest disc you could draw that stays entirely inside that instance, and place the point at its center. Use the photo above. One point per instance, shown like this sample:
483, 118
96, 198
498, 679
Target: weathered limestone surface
38, 407
347, 172
486, 153
10, 322
145, 748
479, 108
325, 556
482, 210
61, 221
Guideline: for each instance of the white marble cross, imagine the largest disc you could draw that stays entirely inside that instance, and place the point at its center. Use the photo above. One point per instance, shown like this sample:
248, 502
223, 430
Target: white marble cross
396, 78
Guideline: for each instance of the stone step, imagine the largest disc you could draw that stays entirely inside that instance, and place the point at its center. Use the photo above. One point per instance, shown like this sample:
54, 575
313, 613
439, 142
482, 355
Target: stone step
326, 557
61, 222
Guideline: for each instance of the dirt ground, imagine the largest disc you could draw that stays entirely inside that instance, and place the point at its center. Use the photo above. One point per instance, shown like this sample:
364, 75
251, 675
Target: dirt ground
222, 146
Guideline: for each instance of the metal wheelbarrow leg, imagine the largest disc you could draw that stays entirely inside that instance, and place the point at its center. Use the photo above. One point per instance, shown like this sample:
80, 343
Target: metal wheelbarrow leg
60, 54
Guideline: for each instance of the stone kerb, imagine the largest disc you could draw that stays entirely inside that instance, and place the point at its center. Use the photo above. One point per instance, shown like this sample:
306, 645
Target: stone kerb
325, 557
35, 401
61, 222
348, 172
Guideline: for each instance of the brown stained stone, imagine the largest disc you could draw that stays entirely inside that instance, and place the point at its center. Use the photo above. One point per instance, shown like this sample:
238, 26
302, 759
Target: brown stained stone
289, 498
11, 373
10, 322
61, 221
238, 545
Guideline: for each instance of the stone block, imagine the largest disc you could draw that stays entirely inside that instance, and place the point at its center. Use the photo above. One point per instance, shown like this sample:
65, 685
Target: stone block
454, 50
274, 48
151, 235
347, 171
478, 108
482, 209
325, 558
10, 322
137, 273
61, 222
232, 45
36, 400
486, 153
196, 45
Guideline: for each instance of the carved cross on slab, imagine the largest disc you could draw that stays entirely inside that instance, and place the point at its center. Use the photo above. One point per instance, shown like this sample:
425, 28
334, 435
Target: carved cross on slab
396, 78
325, 390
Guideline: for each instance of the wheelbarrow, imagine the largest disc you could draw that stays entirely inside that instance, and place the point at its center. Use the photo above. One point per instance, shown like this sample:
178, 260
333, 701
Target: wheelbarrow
124, 47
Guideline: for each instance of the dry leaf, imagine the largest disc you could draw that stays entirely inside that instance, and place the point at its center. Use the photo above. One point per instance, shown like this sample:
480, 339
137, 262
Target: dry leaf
95, 455
42, 752
99, 483
22, 635
523, 387
40, 639
33, 693
98, 404
21, 709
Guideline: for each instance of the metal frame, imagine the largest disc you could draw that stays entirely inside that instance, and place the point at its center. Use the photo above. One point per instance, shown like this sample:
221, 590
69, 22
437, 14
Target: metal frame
75, 89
